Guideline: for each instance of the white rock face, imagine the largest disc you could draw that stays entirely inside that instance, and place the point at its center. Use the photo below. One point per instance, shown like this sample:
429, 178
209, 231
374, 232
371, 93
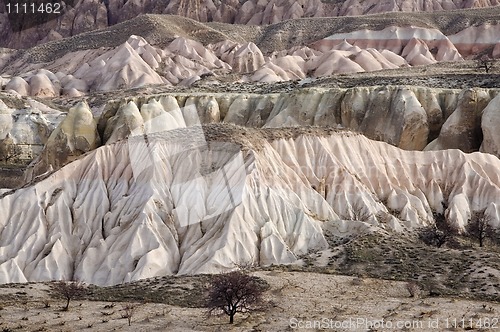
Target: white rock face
90, 15
41, 86
154, 116
184, 61
74, 136
23, 132
411, 118
411, 43
19, 85
398, 115
490, 122
133, 209
462, 129
404, 124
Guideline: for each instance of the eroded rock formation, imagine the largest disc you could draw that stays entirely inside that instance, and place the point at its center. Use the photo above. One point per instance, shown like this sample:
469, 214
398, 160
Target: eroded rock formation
133, 210
87, 15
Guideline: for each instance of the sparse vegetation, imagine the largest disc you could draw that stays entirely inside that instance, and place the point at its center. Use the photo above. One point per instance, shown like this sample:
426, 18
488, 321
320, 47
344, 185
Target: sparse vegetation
69, 290
438, 234
234, 292
479, 228
357, 212
128, 311
413, 289
485, 63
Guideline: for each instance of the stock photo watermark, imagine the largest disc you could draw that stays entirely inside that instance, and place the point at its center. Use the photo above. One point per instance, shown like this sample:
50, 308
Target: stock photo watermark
363, 323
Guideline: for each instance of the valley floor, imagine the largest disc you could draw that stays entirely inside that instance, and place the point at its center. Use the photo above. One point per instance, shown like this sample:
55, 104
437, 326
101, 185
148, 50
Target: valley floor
302, 301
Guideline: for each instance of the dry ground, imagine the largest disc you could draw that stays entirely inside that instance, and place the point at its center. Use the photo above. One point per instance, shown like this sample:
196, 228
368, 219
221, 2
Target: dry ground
299, 298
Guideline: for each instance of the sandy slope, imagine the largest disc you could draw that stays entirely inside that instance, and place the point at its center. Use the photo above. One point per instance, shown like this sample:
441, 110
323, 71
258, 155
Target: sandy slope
300, 298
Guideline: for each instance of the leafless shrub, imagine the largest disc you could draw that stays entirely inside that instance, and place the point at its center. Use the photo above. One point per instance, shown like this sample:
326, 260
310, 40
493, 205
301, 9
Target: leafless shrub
69, 290
439, 233
413, 288
129, 310
479, 227
234, 292
358, 212
485, 63
246, 266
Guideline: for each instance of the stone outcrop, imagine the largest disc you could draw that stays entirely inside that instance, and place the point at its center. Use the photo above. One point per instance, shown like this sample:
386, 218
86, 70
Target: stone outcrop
74, 136
411, 118
136, 63
25, 131
462, 129
490, 123
204, 199
88, 15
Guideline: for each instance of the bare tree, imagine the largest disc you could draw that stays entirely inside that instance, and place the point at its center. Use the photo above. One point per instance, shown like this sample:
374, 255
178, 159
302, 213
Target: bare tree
432, 236
439, 233
234, 292
357, 212
479, 227
128, 311
69, 290
485, 63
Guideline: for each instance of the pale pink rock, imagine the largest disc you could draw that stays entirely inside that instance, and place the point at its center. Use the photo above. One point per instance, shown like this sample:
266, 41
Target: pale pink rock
290, 71
394, 58
385, 59
473, 40
293, 65
447, 51
41, 86
18, 85
336, 62
72, 92
417, 53
304, 52
366, 61
266, 75
194, 50
246, 59
124, 68
136, 42
399, 40
150, 59
490, 122
70, 82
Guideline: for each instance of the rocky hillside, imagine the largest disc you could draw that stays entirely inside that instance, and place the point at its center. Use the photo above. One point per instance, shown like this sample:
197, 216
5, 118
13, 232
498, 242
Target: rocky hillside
171, 50
139, 145
411, 118
87, 15
132, 209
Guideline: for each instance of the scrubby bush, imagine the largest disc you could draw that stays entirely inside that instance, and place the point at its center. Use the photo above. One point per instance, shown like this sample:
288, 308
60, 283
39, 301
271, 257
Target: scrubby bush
479, 228
234, 292
439, 233
69, 290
